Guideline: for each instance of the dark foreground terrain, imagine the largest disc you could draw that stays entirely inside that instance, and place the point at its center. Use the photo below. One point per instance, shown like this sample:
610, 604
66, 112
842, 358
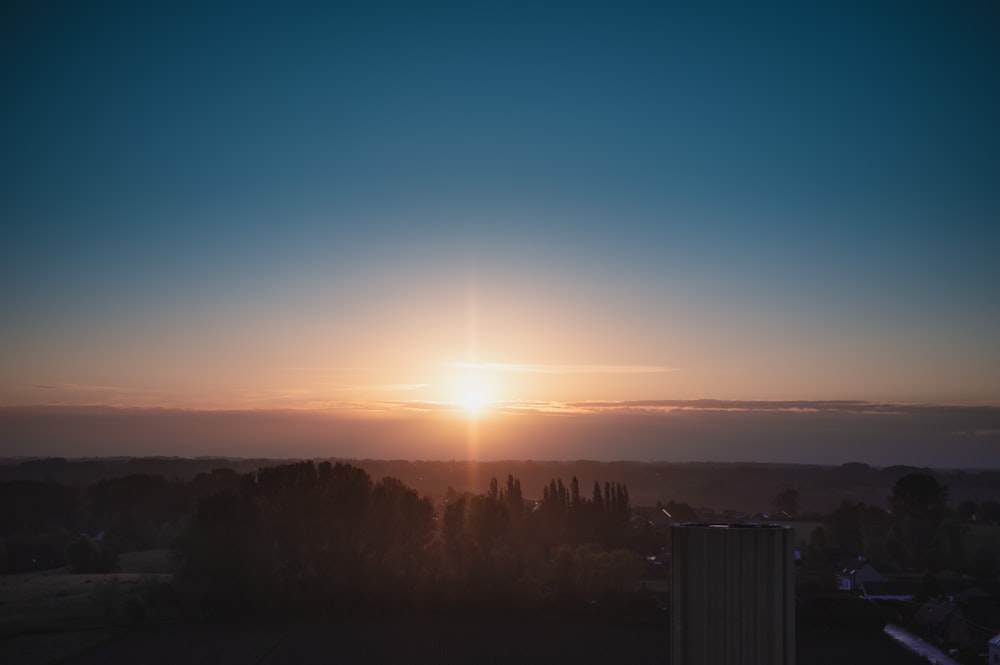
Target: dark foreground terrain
248, 567
441, 641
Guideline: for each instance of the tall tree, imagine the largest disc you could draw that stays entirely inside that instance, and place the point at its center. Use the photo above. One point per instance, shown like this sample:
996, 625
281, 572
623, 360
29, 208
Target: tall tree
919, 495
514, 499
787, 501
918, 504
574, 493
845, 526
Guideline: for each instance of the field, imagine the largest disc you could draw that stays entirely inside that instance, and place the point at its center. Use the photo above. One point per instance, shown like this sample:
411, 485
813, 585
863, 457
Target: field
980, 535
802, 530
57, 616
49, 615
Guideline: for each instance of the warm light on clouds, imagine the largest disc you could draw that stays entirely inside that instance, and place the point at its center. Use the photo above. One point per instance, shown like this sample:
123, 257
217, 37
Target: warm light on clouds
381, 387
565, 369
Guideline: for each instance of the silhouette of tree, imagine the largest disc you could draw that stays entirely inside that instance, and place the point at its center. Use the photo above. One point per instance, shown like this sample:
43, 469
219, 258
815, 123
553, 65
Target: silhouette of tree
989, 511
221, 554
681, 512
918, 505
967, 509
85, 555
514, 500
303, 537
920, 496
787, 501
453, 525
844, 524
928, 587
951, 539
983, 562
488, 519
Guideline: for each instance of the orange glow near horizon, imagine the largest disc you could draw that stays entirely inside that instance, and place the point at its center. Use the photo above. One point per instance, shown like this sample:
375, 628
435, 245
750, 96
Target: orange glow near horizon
463, 347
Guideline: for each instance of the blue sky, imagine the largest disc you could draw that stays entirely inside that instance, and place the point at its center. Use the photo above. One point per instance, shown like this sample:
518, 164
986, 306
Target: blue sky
774, 201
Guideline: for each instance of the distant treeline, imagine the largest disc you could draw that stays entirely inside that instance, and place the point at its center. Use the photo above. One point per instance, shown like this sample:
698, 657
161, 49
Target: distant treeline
306, 537
747, 487
920, 532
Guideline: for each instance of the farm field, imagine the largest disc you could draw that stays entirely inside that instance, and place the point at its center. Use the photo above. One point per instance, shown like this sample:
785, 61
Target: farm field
46, 616
979, 535
59, 617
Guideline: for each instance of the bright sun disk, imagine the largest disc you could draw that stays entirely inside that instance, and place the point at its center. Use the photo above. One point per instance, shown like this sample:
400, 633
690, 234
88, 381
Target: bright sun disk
472, 397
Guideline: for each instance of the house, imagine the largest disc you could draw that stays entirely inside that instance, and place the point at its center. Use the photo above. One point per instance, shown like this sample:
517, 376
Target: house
658, 565
888, 590
946, 620
856, 573
957, 622
980, 611
657, 518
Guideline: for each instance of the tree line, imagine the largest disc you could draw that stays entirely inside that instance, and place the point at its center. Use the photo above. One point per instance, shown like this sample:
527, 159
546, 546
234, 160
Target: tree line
918, 532
305, 537
309, 537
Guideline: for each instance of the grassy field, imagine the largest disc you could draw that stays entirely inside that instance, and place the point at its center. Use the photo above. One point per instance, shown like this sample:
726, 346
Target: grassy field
60, 599
976, 535
56, 616
149, 561
46, 616
70, 617
979, 535
802, 530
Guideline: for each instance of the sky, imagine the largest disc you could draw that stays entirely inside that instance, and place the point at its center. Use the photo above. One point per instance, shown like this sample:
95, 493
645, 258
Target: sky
371, 211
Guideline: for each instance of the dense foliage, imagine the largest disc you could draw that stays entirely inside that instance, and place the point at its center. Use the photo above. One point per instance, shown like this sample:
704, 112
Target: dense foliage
306, 537
918, 533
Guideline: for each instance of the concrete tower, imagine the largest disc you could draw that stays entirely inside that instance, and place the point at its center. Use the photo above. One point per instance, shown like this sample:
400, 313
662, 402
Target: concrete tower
733, 595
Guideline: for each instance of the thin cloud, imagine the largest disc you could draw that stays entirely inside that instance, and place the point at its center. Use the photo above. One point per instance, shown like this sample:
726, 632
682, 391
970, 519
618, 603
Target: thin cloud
415, 406
328, 369
855, 407
382, 387
564, 369
92, 387
524, 407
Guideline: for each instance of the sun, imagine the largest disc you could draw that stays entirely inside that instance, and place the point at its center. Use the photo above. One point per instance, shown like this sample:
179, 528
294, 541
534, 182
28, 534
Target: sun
472, 396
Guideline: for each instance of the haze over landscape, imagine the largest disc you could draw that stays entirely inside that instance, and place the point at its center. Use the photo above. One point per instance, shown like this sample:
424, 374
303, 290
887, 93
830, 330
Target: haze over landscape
721, 232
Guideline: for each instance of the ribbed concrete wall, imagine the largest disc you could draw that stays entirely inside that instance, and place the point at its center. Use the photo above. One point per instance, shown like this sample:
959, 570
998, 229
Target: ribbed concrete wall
733, 596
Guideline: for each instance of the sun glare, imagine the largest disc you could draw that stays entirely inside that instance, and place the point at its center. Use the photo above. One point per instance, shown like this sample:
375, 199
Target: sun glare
472, 396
